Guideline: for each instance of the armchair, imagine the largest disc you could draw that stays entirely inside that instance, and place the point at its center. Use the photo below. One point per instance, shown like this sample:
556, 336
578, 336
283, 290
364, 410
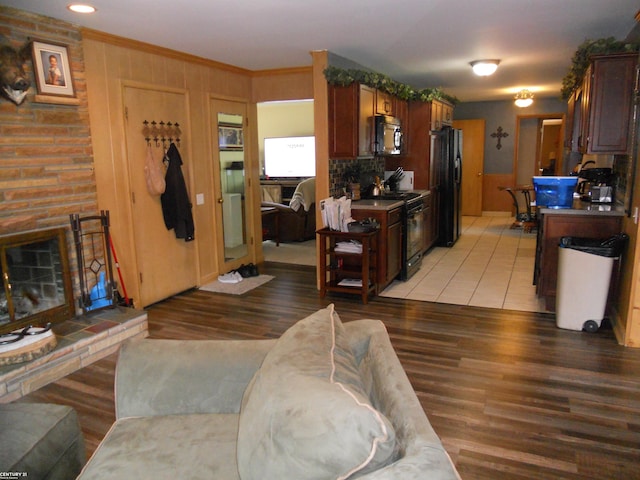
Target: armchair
296, 222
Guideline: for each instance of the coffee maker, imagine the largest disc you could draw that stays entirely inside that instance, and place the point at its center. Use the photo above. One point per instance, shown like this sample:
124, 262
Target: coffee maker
595, 185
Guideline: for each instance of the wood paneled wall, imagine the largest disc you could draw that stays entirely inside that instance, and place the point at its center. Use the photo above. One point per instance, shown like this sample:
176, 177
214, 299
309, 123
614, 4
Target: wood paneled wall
493, 199
113, 62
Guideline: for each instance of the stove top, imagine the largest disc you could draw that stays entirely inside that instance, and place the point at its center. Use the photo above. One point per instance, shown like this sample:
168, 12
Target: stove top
406, 196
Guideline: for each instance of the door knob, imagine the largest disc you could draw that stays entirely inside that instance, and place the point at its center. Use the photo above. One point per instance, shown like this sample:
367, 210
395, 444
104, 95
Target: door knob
221, 200
479, 174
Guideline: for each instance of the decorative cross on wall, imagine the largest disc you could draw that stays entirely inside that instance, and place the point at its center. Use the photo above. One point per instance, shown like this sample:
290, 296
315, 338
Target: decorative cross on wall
499, 134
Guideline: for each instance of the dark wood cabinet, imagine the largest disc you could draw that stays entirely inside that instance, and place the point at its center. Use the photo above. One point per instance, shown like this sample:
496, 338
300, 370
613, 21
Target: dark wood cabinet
384, 103
366, 122
600, 109
351, 118
343, 121
389, 261
552, 227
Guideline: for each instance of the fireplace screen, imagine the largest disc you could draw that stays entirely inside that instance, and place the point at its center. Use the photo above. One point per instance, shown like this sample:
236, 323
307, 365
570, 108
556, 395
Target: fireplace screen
36, 279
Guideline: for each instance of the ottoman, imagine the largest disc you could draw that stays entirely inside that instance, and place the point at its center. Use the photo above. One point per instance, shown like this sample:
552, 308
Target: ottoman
40, 441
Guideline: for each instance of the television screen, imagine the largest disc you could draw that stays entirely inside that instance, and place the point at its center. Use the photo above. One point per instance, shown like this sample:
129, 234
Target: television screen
290, 157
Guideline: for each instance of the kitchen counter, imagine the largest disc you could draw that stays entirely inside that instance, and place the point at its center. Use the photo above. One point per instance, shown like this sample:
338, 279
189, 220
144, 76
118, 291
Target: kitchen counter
381, 203
371, 204
585, 208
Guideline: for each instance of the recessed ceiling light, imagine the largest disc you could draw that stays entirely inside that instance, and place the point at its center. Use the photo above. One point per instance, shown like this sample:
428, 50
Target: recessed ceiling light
484, 68
81, 8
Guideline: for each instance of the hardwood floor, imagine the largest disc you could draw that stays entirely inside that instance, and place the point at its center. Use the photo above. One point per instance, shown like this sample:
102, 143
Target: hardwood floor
510, 395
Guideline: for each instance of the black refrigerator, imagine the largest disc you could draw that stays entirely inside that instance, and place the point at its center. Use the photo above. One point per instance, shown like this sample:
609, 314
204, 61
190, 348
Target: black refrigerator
447, 168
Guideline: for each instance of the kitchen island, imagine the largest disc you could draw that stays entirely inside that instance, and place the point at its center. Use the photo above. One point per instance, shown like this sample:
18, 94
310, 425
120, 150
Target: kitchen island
583, 219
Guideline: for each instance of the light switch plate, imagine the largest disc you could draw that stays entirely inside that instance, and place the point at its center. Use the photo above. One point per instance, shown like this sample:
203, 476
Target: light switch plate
199, 198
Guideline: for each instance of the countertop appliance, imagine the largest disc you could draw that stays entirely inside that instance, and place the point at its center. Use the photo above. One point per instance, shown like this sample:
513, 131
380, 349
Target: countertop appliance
446, 152
388, 135
595, 185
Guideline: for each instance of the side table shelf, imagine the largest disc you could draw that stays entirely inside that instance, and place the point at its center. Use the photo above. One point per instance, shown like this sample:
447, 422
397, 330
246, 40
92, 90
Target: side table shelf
348, 272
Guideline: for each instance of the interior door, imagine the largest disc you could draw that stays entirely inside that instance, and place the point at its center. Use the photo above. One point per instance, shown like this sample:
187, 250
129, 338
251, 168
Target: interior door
473, 165
166, 265
229, 166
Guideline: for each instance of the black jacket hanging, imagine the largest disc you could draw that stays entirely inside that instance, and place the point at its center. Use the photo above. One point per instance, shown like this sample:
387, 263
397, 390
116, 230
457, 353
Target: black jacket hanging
176, 207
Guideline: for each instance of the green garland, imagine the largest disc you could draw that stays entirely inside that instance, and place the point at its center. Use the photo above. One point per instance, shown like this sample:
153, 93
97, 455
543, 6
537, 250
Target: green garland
342, 77
581, 59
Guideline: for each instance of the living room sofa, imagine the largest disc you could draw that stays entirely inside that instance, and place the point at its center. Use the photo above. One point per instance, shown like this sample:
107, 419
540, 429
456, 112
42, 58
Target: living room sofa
326, 400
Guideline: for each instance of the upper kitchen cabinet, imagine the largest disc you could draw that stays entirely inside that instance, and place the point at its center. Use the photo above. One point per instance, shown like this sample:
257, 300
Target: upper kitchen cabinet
441, 114
351, 112
366, 111
351, 118
343, 121
384, 103
601, 107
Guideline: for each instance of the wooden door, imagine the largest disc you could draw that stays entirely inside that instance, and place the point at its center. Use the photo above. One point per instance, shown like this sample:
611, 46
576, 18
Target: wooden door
166, 265
472, 165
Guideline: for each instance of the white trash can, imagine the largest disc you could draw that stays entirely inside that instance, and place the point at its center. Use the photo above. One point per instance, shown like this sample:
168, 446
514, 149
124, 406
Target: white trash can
584, 275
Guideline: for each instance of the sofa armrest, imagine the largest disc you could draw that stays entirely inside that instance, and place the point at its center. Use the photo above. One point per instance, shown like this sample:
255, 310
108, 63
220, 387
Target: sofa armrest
422, 453
163, 377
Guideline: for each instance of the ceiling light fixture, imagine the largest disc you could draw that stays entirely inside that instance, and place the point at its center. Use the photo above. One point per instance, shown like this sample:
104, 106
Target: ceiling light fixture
524, 98
81, 8
484, 68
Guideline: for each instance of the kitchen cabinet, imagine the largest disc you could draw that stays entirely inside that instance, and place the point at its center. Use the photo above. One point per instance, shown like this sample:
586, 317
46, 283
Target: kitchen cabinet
401, 112
366, 123
447, 114
351, 118
384, 103
389, 254
552, 227
343, 121
601, 107
348, 272
441, 114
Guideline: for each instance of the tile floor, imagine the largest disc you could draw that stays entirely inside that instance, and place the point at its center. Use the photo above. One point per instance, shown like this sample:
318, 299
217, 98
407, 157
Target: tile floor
490, 265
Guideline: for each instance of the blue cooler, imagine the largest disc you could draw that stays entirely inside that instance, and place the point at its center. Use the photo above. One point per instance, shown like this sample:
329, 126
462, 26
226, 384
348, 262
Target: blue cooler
554, 192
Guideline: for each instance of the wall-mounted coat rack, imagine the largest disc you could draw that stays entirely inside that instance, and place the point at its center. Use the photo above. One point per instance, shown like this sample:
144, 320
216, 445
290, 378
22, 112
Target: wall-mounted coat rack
161, 133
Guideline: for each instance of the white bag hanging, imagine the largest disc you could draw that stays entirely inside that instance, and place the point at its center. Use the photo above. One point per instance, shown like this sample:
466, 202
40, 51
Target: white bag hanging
154, 174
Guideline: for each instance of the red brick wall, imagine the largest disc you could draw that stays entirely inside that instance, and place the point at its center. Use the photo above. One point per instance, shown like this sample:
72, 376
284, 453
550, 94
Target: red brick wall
46, 158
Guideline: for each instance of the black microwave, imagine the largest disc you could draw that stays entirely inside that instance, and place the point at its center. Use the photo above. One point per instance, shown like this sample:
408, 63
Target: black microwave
388, 135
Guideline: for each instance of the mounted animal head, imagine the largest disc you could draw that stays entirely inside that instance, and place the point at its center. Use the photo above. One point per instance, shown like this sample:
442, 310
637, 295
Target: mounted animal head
13, 79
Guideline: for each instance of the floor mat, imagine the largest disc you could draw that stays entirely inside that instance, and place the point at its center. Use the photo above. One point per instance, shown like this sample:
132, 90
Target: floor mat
239, 288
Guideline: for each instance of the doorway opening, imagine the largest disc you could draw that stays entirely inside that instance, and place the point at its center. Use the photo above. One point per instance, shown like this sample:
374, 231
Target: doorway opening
538, 148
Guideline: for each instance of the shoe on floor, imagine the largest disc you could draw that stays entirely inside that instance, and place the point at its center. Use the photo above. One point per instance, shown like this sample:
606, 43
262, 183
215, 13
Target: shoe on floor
245, 270
253, 270
231, 277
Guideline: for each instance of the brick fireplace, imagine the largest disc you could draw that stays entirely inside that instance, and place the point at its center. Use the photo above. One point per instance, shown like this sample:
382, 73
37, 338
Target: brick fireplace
37, 287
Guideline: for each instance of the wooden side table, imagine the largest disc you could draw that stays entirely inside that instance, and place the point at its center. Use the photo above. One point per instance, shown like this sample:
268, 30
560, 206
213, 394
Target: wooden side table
348, 271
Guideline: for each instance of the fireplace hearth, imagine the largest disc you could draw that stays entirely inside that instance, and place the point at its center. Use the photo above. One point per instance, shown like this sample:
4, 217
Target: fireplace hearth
36, 279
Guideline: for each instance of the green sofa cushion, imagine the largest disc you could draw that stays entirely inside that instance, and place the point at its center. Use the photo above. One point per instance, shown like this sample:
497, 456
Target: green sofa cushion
305, 413
41, 440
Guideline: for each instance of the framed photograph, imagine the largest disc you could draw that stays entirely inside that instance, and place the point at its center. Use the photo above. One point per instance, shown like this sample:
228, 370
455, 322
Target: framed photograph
51, 68
230, 137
